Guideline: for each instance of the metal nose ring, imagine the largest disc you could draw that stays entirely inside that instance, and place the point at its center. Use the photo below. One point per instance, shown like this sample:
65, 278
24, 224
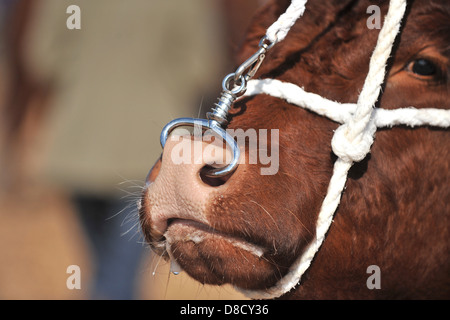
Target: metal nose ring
217, 130
217, 120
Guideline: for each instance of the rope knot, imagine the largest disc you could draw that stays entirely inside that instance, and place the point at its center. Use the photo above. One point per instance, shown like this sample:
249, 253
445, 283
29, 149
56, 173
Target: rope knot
353, 147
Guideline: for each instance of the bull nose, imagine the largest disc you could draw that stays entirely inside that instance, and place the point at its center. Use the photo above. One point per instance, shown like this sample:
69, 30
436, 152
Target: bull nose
177, 188
193, 158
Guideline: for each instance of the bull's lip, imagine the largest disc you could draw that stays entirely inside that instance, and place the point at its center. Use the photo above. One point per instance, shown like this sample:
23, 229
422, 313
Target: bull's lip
184, 230
190, 223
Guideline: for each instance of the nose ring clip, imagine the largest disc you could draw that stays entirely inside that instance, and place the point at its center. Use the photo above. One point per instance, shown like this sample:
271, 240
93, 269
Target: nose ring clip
217, 120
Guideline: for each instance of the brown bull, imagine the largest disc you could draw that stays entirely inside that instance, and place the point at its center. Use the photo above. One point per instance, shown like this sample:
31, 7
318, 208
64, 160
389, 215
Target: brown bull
248, 228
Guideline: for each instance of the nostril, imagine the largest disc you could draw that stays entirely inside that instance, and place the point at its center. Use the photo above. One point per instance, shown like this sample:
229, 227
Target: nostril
169, 222
154, 171
213, 181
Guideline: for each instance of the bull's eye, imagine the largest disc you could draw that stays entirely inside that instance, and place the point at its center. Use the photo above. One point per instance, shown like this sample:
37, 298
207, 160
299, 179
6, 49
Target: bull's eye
423, 67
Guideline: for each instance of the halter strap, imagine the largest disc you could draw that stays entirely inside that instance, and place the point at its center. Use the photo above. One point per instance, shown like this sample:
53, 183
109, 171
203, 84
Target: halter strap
342, 112
280, 28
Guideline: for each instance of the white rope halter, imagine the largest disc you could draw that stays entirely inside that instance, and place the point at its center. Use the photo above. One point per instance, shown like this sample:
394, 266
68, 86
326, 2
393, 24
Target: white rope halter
353, 139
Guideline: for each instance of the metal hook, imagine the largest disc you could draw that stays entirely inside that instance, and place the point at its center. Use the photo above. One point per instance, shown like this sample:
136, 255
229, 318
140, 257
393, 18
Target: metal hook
217, 130
253, 63
217, 118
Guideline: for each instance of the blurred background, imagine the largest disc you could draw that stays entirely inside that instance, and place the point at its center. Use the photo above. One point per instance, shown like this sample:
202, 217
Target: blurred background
81, 111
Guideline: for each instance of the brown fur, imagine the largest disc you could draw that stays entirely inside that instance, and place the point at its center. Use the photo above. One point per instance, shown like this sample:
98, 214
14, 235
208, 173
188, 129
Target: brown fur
395, 210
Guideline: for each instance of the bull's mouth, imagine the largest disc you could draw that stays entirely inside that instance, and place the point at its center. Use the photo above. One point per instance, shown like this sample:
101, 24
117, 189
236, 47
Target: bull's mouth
183, 230
212, 256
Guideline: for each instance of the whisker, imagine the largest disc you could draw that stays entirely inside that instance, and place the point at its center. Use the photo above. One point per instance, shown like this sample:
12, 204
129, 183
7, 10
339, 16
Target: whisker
243, 255
276, 224
157, 263
200, 107
132, 227
300, 222
118, 213
167, 286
